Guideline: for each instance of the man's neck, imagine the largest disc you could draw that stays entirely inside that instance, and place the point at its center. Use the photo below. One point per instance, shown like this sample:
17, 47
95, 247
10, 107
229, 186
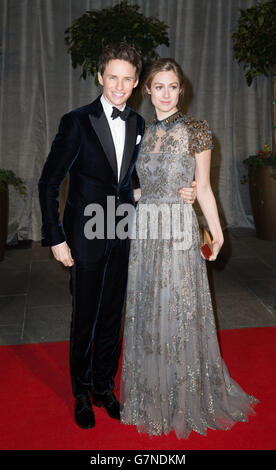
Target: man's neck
108, 103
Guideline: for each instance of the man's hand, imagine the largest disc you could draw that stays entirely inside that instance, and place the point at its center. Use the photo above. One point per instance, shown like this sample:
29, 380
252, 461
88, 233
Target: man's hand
137, 194
189, 194
62, 253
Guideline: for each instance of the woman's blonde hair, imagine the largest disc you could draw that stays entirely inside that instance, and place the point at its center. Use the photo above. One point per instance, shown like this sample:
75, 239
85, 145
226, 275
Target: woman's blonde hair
163, 65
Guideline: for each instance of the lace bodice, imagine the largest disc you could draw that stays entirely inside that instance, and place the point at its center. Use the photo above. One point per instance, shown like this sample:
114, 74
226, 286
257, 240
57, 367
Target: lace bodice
166, 161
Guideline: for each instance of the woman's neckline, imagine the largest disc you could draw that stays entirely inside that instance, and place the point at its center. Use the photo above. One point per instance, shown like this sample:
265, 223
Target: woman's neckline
168, 120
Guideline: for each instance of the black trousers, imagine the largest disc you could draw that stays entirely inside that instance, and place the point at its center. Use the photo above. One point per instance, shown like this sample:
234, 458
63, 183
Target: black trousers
98, 293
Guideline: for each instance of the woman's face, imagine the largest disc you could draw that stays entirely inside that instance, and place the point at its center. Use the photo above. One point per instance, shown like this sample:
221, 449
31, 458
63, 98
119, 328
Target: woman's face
164, 91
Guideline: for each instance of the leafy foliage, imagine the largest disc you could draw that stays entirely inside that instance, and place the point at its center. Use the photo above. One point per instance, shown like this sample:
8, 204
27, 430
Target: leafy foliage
96, 29
8, 177
255, 40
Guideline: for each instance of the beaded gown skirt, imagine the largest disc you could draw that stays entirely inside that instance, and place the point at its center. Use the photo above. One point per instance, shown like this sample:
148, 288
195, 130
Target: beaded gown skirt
173, 375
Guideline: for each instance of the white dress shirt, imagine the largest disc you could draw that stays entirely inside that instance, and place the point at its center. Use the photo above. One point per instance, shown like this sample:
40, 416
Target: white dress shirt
118, 131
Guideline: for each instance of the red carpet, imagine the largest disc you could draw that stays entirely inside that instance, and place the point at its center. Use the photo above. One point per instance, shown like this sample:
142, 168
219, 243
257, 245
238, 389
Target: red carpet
36, 405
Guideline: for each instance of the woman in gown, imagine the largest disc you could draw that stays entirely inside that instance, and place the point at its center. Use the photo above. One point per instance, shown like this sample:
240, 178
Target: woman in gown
173, 375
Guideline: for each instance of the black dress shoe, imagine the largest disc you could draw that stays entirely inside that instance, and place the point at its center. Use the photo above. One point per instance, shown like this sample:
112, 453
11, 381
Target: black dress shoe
109, 402
84, 415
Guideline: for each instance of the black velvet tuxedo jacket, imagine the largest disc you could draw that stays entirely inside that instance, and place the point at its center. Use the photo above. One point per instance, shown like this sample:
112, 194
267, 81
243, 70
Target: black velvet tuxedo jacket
84, 147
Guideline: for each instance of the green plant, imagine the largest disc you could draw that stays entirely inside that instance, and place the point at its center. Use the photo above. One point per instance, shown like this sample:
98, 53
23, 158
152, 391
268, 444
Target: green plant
255, 46
255, 40
8, 177
94, 30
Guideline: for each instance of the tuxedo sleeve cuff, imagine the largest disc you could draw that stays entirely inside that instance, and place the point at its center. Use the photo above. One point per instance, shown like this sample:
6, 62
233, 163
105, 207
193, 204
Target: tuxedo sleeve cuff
52, 237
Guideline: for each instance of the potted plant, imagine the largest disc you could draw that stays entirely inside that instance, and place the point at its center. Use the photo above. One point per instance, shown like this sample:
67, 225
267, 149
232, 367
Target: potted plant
7, 177
96, 29
262, 183
255, 46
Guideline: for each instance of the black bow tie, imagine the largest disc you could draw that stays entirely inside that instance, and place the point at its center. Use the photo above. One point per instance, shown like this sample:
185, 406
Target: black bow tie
122, 114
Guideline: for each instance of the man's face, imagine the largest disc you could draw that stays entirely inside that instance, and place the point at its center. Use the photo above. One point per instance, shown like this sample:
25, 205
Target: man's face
118, 81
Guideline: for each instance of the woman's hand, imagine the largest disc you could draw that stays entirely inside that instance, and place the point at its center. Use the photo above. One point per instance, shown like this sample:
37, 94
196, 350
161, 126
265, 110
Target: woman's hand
217, 244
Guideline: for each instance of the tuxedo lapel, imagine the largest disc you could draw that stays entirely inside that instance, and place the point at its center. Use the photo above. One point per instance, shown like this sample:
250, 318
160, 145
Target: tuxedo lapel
130, 141
100, 125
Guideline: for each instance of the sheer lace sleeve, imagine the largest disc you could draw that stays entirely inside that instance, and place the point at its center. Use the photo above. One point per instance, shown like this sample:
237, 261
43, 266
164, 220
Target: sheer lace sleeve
202, 136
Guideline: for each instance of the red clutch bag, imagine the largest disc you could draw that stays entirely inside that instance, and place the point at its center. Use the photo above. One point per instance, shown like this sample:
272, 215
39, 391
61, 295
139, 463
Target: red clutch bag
206, 246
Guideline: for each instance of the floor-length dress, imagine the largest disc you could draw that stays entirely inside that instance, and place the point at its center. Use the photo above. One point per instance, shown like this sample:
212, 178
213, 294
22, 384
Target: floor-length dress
173, 375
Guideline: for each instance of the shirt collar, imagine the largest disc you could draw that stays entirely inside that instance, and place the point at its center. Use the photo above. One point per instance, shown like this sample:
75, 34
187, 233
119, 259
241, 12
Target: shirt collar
108, 108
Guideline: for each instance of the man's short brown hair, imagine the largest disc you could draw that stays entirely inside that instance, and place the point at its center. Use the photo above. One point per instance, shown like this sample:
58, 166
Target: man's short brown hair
122, 51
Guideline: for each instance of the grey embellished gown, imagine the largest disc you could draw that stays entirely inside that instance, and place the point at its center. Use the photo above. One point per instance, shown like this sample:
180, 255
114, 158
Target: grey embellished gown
173, 375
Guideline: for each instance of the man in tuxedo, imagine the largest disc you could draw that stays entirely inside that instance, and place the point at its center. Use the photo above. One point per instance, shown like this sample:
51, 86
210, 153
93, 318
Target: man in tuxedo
98, 145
